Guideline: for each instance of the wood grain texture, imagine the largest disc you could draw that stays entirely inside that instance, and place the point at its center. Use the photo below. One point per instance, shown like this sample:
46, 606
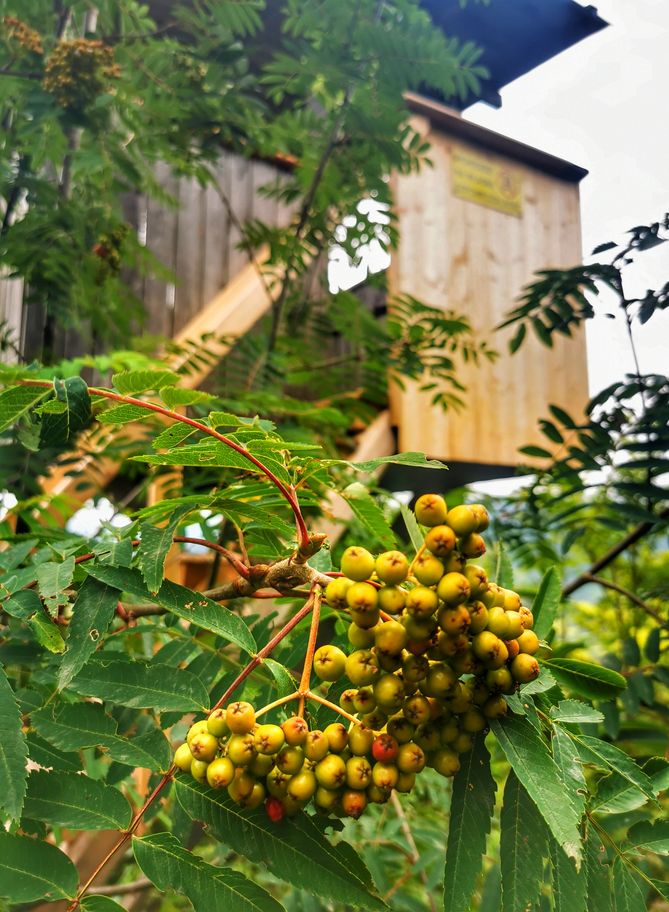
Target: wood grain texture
468, 258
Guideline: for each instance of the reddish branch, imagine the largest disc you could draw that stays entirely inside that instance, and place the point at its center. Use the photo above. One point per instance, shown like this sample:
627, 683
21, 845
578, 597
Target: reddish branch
286, 491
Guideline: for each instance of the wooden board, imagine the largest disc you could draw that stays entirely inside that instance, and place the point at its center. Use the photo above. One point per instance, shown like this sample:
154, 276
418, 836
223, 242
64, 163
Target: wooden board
471, 258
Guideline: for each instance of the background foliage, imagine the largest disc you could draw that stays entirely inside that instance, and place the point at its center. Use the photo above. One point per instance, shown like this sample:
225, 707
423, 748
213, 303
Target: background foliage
88, 109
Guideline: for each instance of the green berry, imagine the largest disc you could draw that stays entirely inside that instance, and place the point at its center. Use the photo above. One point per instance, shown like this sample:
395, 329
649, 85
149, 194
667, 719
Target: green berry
392, 567
440, 540
220, 772
462, 520
430, 509
357, 563
183, 758
329, 663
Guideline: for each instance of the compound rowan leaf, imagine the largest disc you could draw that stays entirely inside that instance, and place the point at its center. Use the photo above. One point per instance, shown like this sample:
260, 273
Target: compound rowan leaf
569, 884
171, 867
92, 613
31, 869
650, 836
530, 757
594, 682
18, 400
597, 872
294, 850
472, 806
100, 904
546, 602
75, 801
13, 752
192, 606
75, 726
141, 685
523, 846
609, 757
627, 893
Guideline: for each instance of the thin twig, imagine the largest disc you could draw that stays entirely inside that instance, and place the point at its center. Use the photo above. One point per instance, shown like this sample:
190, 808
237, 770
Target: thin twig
135, 886
625, 543
408, 835
609, 584
303, 688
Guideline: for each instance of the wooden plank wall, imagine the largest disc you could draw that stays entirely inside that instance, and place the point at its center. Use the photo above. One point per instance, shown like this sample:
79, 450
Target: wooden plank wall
199, 239
196, 240
462, 256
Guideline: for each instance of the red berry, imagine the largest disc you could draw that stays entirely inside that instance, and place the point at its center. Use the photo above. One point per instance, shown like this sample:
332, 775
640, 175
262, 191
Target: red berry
384, 748
274, 809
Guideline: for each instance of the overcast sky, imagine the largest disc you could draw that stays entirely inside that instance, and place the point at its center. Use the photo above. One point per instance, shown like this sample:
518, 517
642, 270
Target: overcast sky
603, 105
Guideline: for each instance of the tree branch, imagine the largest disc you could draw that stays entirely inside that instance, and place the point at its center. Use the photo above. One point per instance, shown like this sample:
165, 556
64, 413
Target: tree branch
609, 584
625, 543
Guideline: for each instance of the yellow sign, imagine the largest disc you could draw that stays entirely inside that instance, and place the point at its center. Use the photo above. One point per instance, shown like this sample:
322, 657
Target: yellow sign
488, 183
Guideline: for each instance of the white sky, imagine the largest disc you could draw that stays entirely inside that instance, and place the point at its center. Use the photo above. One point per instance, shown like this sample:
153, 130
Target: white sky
602, 104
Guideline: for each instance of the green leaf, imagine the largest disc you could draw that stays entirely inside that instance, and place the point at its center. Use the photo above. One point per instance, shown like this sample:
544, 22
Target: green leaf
171, 867
594, 682
153, 547
92, 613
546, 602
49, 757
536, 451
192, 606
372, 517
413, 528
58, 428
75, 801
616, 796
140, 685
607, 756
523, 845
100, 904
504, 568
123, 414
597, 872
53, 578
17, 401
627, 894
139, 381
75, 726
31, 869
47, 633
13, 752
285, 683
569, 885
175, 396
472, 806
531, 760
419, 460
294, 850
570, 769
575, 711
650, 836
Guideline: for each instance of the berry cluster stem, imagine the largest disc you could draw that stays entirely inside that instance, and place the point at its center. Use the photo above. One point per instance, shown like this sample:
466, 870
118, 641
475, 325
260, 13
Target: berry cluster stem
267, 650
303, 688
169, 775
279, 702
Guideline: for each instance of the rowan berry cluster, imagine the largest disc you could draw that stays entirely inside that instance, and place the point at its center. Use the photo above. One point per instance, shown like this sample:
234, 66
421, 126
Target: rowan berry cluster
21, 33
434, 649
78, 71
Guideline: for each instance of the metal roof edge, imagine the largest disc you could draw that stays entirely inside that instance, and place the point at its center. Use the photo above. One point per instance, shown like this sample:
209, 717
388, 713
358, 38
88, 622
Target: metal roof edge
453, 123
